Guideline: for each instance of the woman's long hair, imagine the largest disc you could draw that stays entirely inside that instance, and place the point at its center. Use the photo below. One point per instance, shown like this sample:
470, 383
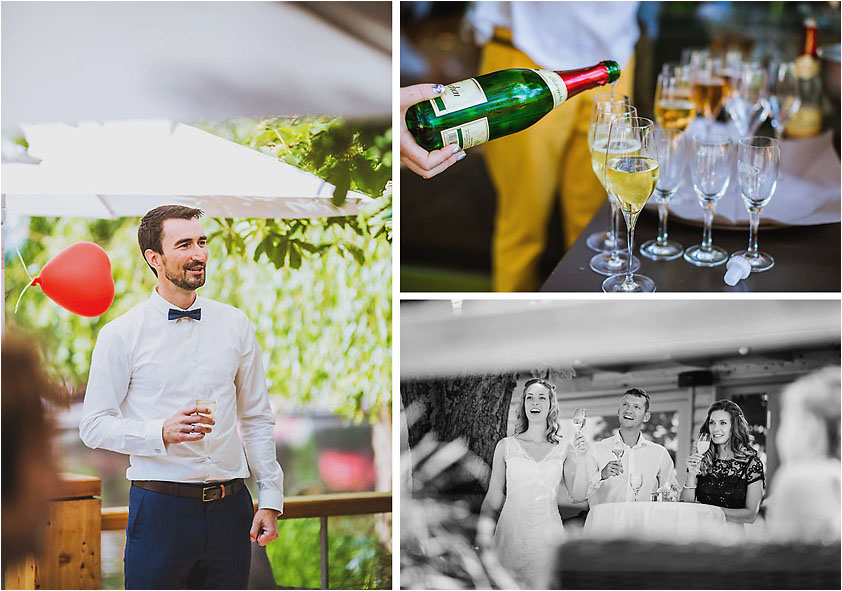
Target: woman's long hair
740, 439
522, 422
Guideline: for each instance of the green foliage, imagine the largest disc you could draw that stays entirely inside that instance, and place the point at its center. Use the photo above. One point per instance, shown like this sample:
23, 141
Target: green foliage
356, 559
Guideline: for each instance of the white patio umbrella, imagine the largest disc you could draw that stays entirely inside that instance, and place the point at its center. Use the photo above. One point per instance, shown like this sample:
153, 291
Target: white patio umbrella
125, 168
192, 61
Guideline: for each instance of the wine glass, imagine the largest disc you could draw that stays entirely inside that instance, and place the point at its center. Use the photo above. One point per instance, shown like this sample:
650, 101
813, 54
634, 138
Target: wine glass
618, 449
636, 482
670, 171
207, 399
674, 106
711, 170
579, 419
784, 99
748, 105
603, 241
607, 263
703, 443
708, 89
758, 166
631, 173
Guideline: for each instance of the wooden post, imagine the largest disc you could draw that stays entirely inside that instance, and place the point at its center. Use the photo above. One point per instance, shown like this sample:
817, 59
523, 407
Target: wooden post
323, 552
72, 557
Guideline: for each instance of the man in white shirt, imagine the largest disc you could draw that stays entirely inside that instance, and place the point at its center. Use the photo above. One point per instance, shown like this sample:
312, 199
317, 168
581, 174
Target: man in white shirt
608, 476
191, 518
551, 158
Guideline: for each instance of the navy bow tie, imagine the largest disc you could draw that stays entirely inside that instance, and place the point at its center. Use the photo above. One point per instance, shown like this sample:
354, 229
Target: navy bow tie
176, 314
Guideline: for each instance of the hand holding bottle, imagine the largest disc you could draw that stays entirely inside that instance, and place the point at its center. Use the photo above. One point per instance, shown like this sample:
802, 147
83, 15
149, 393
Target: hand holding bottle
417, 159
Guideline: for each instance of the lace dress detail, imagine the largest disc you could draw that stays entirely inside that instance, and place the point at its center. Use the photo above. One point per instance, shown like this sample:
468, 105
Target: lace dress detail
529, 528
726, 484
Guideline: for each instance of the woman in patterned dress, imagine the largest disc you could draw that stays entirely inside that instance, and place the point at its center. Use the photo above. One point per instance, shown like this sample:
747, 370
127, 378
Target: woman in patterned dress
730, 474
520, 519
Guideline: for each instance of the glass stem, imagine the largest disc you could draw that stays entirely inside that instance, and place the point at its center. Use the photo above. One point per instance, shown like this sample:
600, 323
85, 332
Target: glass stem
630, 220
707, 241
663, 212
615, 222
753, 224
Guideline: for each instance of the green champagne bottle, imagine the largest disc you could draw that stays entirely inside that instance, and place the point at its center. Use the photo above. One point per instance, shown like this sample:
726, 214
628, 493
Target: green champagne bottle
477, 110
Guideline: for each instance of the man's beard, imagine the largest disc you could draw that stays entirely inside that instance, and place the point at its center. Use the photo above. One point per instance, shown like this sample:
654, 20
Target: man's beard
184, 281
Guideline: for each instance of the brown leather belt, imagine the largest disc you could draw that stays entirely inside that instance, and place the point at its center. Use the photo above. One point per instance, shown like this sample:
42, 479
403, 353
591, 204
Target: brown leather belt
204, 492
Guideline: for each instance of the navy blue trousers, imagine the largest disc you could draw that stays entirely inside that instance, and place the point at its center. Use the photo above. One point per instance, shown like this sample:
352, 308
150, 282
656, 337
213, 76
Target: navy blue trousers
182, 543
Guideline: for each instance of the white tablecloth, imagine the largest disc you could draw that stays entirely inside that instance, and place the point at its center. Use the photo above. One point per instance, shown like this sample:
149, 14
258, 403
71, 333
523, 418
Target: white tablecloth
663, 522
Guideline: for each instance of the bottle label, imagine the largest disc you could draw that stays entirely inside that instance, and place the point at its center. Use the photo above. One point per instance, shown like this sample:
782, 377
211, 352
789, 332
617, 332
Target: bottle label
557, 86
467, 135
458, 96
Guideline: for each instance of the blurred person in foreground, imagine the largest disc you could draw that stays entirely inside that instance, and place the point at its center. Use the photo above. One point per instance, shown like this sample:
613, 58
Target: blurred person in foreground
531, 168
29, 471
191, 516
608, 476
519, 518
730, 474
804, 501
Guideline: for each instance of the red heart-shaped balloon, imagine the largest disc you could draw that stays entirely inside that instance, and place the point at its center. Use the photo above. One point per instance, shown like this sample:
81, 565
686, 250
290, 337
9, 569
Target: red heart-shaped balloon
79, 278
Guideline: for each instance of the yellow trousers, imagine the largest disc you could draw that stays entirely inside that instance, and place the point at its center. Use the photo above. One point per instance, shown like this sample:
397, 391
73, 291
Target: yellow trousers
531, 167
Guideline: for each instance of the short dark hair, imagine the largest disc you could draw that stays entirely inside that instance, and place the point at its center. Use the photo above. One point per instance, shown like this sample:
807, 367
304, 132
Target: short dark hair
151, 226
640, 393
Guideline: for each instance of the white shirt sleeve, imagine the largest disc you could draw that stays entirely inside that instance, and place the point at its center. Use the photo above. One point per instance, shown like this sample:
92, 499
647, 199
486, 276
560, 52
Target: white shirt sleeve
103, 424
257, 423
666, 471
594, 473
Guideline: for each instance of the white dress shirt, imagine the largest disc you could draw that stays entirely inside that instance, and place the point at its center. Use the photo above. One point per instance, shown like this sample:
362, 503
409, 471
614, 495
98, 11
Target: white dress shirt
562, 35
648, 458
145, 368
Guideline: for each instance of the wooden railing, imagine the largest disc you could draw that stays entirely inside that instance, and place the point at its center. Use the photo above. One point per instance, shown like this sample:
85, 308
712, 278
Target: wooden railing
72, 558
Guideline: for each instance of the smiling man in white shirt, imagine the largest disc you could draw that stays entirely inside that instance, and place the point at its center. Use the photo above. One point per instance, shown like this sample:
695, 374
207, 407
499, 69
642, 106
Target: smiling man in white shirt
191, 518
608, 476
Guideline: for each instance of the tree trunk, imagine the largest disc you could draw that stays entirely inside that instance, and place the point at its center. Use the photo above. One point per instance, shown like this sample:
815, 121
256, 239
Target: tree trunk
471, 408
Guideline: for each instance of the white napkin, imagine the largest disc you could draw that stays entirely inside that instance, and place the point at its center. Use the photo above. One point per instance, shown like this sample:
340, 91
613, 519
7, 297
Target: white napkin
807, 193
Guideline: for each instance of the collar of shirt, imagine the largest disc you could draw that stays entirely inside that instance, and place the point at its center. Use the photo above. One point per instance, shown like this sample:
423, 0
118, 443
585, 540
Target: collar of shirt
163, 306
641, 440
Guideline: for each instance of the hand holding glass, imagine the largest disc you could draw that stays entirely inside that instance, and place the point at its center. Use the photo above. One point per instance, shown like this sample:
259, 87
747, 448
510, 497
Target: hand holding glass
703, 444
758, 167
211, 406
710, 166
631, 173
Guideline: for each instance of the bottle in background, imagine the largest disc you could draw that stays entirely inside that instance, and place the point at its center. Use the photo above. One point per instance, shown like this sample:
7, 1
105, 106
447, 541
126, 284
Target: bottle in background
477, 110
807, 120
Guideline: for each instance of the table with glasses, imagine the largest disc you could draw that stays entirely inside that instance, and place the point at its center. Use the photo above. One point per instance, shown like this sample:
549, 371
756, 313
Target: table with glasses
807, 259
657, 522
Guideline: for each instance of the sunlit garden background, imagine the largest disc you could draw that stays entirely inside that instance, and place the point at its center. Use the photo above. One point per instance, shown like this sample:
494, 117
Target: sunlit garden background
319, 294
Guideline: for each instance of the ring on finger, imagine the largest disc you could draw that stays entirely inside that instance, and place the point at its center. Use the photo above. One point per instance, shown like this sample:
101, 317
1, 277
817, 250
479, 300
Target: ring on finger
192, 427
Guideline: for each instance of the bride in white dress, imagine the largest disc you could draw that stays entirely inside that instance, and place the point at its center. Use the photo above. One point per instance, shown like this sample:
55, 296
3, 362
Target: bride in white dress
526, 476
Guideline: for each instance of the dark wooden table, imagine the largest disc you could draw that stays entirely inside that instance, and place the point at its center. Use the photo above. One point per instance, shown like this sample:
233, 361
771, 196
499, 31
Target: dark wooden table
807, 258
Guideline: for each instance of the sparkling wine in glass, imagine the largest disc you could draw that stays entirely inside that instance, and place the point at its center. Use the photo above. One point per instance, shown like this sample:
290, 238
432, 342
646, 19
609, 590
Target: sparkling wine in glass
703, 444
211, 406
636, 482
611, 262
670, 172
708, 89
710, 167
631, 173
758, 167
674, 106
618, 449
579, 419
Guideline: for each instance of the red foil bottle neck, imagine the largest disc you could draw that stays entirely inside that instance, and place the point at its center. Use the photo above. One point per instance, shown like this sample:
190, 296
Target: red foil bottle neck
583, 79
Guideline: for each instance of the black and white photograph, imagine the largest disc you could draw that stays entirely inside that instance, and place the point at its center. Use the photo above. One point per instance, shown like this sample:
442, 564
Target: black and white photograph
647, 444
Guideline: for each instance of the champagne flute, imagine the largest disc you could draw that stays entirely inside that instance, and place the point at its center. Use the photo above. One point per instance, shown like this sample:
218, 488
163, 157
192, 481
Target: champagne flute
784, 99
579, 419
708, 90
603, 241
758, 166
748, 105
703, 443
607, 263
636, 482
618, 449
674, 106
208, 402
670, 172
711, 170
631, 173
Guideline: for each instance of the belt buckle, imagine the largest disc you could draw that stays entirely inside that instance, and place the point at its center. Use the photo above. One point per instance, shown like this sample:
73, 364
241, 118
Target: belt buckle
205, 498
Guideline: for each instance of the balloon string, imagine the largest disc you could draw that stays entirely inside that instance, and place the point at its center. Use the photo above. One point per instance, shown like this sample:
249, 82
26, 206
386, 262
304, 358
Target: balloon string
31, 280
